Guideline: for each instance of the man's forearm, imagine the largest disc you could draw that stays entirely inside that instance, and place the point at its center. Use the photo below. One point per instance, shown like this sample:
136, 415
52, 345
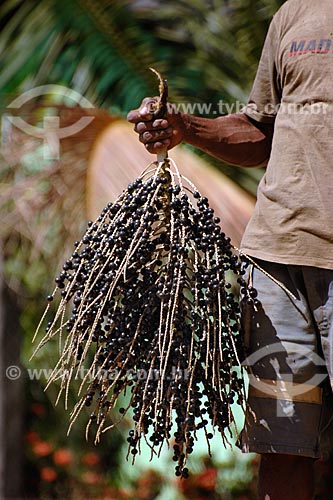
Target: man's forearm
234, 138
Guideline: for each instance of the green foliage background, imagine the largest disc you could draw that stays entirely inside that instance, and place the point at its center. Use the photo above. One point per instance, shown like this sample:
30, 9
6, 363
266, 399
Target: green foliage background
208, 49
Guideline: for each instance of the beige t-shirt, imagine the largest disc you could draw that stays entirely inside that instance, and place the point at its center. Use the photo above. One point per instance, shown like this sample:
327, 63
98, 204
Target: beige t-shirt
293, 218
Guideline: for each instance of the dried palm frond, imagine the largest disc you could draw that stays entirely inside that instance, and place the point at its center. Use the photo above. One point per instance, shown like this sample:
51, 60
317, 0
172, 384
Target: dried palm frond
43, 202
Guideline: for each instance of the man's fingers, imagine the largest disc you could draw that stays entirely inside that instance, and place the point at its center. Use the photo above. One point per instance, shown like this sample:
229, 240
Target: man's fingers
141, 127
139, 115
144, 112
158, 124
158, 147
155, 136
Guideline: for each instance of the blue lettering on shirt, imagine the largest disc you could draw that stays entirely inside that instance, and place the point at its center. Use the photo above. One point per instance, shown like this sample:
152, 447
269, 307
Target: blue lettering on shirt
300, 47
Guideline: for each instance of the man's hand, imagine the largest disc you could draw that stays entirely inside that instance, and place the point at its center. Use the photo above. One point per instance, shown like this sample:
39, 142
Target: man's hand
157, 134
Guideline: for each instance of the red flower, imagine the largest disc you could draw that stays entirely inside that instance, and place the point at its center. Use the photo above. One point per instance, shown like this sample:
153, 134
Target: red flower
91, 459
255, 460
42, 448
48, 474
62, 457
207, 479
124, 494
90, 477
113, 493
38, 409
148, 485
110, 492
32, 437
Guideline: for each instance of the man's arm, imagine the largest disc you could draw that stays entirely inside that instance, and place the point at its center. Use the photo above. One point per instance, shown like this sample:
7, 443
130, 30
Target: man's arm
234, 138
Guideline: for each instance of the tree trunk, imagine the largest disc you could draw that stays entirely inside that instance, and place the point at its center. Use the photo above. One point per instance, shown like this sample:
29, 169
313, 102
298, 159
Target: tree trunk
11, 395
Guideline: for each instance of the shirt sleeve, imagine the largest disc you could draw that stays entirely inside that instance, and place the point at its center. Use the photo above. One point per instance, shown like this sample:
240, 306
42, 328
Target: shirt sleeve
265, 96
